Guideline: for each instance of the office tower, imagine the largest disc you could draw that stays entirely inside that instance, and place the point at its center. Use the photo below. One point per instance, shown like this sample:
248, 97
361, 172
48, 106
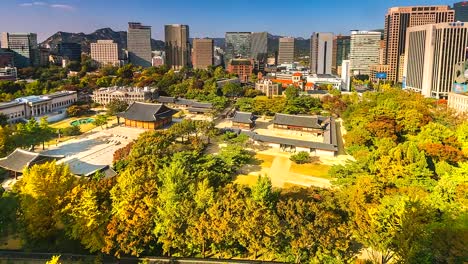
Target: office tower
139, 44
259, 48
286, 50
238, 45
321, 53
203, 50
6, 58
341, 48
24, 47
105, 52
345, 75
70, 51
432, 51
461, 11
177, 46
44, 54
397, 20
364, 51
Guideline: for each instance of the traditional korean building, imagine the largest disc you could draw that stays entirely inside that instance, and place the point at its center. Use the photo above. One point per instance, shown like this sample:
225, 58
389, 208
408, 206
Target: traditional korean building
147, 115
243, 120
312, 124
20, 159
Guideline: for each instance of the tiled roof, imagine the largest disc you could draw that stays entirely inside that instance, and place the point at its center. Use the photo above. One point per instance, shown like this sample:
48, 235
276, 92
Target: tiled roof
297, 74
20, 159
166, 99
297, 121
147, 112
243, 117
199, 110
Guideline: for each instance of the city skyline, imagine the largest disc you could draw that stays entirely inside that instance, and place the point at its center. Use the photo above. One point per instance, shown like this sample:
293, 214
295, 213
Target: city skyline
205, 18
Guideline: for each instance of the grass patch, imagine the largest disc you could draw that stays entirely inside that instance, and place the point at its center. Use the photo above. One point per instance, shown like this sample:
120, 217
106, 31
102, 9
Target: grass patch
249, 180
265, 160
311, 169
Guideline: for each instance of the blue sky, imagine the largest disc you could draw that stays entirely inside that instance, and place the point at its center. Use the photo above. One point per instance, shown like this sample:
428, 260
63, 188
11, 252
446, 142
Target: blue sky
206, 18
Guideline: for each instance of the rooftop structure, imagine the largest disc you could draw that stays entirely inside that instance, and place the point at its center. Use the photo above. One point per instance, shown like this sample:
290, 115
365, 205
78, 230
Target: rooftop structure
243, 120
20, 159
127, 94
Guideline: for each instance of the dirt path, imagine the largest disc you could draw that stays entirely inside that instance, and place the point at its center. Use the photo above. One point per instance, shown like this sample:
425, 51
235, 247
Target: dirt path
279, 171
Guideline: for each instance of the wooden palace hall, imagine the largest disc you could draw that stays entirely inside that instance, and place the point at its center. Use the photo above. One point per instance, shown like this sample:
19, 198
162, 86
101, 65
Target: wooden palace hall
147, 115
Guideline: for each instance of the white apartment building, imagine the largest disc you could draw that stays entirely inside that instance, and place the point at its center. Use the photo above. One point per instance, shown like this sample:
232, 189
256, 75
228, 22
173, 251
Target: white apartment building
24, 108
129, 95
432, 51
105, 52
365, 49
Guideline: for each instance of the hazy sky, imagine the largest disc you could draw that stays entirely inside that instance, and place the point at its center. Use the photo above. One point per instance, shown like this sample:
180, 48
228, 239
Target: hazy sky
206, 18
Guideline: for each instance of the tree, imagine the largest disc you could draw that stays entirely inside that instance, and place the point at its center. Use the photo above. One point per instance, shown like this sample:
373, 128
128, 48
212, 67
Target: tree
291, 92
42, 190
116, 106
3, 119
263, 192
232, 89
100, 120
54, 260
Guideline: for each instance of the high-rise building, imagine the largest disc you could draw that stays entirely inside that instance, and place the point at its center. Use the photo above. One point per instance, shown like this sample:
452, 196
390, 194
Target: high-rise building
44, 54
345, 75
364, 51
286, 50
105, 52
6, 58
70, 50
321, 53
238, 45
432, 51
139, 44
341, 48
202, 56
24, 46
259, 46
397, 20
461, 11
177, 46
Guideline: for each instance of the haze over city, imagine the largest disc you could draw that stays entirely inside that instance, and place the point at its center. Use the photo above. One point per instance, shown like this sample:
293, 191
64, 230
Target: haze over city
206, 18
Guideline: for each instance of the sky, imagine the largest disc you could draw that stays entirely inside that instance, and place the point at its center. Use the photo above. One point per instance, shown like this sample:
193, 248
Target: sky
206, 18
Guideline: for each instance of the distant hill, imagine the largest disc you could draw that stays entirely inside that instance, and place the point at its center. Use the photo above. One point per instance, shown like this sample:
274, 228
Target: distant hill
119, 37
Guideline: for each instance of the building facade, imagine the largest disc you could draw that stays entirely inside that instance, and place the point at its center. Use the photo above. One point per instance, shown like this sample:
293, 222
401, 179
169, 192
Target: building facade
461, 11
321, 53
364, 51
6, 58
70, 51
8, 74
105, 52
25, 108
259, 46
139, 44
398, 20
242, 68
147, 115
177, 46
458, 102
129, 95
432, 51
268, 87
24, 47
202, 56
238, 45
379, 72
346, 75
341, 48
286, 50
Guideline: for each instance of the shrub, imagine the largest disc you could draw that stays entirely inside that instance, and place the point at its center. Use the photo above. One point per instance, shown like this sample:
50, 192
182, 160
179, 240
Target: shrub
71, 131
301, 157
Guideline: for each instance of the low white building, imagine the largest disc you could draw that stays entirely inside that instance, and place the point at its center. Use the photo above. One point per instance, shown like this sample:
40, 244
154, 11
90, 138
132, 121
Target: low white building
267, 87
52, 105
318, 79
129, 95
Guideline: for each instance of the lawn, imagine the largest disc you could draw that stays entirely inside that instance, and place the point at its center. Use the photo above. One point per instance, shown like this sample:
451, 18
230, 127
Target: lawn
248, 180
311, 169
266, 160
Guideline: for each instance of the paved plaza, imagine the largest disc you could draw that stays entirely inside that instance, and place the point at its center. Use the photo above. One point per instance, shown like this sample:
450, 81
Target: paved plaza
94, 150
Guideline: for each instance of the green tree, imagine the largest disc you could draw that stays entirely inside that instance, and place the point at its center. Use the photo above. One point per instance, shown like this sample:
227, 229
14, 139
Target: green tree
100, 120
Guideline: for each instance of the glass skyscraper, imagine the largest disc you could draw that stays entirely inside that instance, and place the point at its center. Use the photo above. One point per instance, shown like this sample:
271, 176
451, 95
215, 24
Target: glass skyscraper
238, 45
